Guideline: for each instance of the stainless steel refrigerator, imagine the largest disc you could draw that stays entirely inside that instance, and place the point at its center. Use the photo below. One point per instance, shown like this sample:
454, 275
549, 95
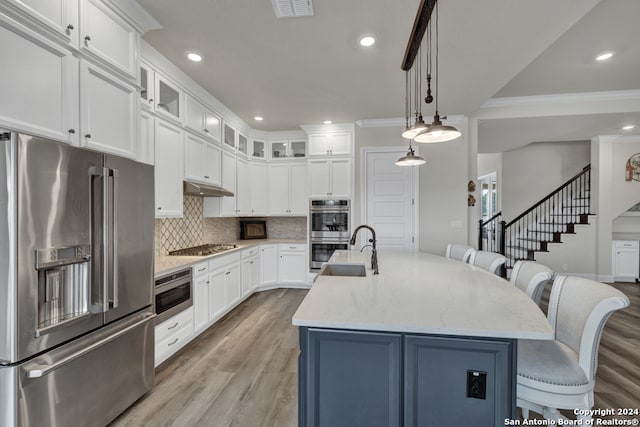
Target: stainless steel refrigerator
76, 278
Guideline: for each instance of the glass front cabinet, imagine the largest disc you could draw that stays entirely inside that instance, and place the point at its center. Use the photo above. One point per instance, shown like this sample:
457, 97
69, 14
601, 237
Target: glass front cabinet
288, 149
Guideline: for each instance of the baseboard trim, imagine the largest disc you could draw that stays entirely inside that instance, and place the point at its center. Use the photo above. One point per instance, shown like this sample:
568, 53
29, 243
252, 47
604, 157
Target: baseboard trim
284, 286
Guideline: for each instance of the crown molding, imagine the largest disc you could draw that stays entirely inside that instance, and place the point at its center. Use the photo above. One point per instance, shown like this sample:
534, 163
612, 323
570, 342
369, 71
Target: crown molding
564, 98
380, 123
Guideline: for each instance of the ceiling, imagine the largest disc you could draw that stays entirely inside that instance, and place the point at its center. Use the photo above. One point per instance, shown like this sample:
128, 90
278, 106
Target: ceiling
297, 71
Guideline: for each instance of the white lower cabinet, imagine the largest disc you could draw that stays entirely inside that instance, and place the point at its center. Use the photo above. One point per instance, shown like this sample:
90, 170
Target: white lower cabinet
626, 260
249, 271
292, 265
268, 265
200, 296
172, 334
224, 284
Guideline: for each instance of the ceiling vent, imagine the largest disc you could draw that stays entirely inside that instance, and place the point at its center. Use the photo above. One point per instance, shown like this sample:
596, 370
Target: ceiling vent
292, 8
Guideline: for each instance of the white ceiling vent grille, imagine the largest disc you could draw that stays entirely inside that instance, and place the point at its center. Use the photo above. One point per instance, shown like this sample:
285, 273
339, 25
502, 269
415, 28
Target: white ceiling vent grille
292, 8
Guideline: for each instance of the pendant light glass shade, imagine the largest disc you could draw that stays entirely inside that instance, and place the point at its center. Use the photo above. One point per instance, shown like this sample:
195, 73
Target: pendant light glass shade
410, 159
418, 127
438, 132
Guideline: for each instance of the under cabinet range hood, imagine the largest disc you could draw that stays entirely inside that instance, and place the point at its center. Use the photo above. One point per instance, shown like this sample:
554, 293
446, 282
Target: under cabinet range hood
205, 190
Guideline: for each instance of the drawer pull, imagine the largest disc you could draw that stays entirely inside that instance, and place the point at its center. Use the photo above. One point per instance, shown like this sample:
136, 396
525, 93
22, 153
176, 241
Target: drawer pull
202, 269
173, 326
172, 342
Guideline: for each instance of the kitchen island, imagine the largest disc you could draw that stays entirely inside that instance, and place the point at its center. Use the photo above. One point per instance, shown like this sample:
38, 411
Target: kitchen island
428, 341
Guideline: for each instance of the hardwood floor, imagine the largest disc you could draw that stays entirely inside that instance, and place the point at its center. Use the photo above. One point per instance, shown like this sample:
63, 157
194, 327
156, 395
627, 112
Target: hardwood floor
243, 370
240, 372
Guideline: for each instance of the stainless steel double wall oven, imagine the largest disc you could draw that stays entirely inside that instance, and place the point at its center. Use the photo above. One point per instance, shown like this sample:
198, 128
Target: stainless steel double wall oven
76, 278
329, 229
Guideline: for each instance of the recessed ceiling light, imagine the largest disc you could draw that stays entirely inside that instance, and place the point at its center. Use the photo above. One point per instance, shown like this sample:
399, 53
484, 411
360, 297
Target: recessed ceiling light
258, 118
604, 56
367, 40
194, 56
327, 122
628, 127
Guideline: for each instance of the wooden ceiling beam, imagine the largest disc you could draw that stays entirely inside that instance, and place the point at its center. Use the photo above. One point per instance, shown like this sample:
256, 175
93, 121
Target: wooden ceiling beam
419, 28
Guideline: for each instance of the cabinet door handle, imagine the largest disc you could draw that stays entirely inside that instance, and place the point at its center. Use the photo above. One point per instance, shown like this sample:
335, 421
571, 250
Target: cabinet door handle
208, 282
251, 262
150, 101
206, 130
71, 131
87, 135
202, 269
206, 176
172, 342
159, 208
69, 27
228, 273
87, 38
173, 326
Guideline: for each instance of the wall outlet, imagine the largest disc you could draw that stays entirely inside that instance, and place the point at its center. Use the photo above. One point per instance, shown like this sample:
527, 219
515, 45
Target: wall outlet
564, 267
477, 384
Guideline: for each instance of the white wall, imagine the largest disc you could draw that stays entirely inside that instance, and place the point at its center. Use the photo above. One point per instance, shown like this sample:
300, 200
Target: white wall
532, 172
442, 184
626, 224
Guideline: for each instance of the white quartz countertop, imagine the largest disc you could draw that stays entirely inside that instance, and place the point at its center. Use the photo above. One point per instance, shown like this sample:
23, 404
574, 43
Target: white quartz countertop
165, 264
421, 293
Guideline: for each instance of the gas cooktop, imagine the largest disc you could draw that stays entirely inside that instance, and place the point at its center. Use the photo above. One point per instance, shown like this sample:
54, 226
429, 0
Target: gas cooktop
204, 250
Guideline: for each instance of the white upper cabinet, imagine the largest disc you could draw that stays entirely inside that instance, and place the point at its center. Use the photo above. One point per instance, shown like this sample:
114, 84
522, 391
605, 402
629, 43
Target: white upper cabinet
229, 168
287, 149
202, 160
168, 98
199, 118
243, 144
243, 193
169, 171
108, 38
108, 112
330, 177
258, 188
287, 190
58, 18
330, 144
146, 150
39, 84
229, 136
258, 150
147, 89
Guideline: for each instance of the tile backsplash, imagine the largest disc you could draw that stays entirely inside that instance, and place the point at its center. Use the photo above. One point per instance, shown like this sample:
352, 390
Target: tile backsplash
193, 229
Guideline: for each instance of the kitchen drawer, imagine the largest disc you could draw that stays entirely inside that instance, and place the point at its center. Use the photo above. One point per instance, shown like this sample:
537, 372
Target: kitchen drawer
172, 343
630, 244
249, 252
223, 261
201, 269
177, 322
292, 247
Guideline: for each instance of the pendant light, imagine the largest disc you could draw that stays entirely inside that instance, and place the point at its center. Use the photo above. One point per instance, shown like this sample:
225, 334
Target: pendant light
410, 159
419, 126
437, 132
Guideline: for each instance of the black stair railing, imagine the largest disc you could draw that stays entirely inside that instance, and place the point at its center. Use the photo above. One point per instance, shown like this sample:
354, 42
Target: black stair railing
547, 220
489, 233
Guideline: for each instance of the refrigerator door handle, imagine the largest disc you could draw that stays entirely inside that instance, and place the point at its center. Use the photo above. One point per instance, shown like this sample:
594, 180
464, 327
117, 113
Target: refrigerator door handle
114, 238
36, 370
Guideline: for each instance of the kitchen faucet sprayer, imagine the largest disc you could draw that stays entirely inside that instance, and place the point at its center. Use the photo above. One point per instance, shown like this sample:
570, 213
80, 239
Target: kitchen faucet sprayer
374, 252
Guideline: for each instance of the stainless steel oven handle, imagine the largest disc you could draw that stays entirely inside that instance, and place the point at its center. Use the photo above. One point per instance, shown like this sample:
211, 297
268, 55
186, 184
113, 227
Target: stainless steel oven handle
38, 371
114, 234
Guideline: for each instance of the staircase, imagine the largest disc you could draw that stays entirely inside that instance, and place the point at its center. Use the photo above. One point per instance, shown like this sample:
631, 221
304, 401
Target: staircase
543, 223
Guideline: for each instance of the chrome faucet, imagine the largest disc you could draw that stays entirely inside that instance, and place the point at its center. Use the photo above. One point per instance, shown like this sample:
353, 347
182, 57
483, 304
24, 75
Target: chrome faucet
374, 252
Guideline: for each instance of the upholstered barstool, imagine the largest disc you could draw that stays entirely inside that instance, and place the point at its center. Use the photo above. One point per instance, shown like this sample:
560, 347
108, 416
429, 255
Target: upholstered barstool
459, 252
561, 373
489, 261
530, 277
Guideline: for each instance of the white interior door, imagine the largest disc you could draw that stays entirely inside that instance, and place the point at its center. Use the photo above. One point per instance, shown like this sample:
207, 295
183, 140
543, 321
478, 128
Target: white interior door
390, 200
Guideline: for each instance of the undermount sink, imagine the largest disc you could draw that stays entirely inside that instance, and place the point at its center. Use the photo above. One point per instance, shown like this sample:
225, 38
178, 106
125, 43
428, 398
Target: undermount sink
355, 270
